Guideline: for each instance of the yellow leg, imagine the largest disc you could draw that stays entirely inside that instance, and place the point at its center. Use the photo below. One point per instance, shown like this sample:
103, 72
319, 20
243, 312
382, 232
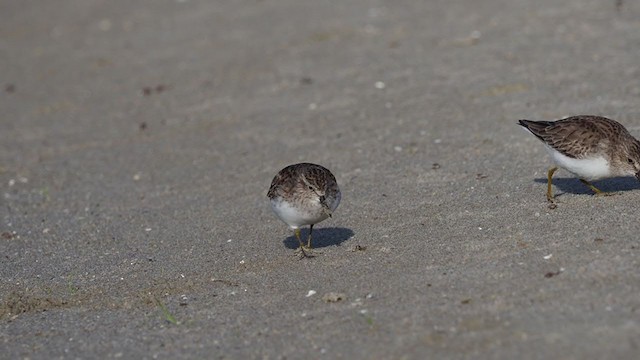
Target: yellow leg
549, 181
595, 189
297, 232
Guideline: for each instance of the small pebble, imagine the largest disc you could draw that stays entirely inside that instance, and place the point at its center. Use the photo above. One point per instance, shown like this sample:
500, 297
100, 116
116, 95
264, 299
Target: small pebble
105, 24
333, 297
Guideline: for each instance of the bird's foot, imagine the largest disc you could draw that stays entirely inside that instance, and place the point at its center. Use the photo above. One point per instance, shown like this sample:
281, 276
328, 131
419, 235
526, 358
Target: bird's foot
553, 204
607, 193
306, 252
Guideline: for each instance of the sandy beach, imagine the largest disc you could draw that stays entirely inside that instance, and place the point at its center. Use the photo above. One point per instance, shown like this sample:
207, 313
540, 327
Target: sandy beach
138, 141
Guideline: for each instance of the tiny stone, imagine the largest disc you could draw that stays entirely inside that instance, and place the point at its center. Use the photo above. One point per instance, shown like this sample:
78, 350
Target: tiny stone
358, 248
105, 25
333, 297
380, 85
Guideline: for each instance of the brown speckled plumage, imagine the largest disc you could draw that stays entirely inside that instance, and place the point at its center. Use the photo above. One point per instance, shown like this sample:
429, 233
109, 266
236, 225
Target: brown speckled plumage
290, 180
584, 135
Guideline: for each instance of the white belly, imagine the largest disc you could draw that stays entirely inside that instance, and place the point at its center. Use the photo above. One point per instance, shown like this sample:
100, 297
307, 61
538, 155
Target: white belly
589, 169
295, 217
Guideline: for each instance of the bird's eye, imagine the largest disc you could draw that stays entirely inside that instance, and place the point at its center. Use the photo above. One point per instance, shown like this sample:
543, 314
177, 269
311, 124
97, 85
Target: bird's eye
311, 187
630, 160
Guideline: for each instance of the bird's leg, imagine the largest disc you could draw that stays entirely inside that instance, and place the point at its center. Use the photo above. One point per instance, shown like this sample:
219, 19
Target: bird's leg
309, 238
309, 247
301, 248
597, 191
549, 181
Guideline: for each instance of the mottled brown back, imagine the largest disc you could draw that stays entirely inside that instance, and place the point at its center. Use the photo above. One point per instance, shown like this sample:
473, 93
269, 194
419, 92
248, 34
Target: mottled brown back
578, 136
291, 177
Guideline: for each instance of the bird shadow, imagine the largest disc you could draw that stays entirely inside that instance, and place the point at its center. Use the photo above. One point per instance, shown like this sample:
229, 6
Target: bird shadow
322, 237
572, 185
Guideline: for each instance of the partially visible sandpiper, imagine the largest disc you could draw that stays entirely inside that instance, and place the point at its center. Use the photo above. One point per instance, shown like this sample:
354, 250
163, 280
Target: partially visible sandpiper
304, 194
590, 147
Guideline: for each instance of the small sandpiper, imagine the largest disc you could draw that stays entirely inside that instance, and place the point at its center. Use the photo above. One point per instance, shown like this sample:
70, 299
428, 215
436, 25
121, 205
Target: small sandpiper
590, 147
304, 194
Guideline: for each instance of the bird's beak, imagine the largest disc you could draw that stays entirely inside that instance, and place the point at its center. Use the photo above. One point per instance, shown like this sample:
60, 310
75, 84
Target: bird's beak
326, 208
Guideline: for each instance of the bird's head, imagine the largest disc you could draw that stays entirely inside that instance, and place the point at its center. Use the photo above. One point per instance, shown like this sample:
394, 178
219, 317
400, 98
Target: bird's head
629, 160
